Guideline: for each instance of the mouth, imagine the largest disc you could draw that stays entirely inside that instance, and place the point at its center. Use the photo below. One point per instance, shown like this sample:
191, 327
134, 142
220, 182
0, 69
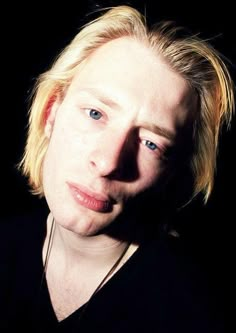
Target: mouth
88, 199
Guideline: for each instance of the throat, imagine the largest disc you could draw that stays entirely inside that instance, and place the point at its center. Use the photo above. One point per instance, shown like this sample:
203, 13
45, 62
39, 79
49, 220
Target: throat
74, 277
70, 290
67, 296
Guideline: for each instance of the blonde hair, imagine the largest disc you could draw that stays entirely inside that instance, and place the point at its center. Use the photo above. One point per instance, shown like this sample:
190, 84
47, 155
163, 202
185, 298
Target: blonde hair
194, 59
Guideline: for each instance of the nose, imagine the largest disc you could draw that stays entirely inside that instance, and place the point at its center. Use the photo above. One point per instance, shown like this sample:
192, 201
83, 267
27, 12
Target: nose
113, 154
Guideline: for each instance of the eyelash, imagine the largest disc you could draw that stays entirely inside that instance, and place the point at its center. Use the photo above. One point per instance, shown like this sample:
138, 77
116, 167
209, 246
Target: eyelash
94, 112
149, 144
96, 115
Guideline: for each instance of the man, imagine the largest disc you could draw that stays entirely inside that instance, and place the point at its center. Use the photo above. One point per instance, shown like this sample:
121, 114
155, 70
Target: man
122, 113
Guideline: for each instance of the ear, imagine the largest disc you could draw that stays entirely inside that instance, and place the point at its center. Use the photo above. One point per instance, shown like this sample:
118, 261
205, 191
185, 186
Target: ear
50, 115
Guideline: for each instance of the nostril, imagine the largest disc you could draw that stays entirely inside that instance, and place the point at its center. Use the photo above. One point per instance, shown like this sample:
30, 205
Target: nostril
92, 163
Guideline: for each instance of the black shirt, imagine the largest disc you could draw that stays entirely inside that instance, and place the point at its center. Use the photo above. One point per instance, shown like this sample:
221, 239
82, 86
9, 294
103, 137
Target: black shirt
157, 290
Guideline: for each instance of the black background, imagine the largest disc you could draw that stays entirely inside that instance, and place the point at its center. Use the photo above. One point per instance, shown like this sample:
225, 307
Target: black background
34, 34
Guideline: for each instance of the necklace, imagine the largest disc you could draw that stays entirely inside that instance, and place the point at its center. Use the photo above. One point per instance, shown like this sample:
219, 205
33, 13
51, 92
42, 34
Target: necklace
108, 274
49, 247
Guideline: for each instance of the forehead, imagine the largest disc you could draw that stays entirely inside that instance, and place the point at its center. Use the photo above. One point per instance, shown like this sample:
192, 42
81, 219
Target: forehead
130, 71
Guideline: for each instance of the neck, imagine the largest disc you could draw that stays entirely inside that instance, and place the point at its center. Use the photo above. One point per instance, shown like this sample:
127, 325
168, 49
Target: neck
71, 250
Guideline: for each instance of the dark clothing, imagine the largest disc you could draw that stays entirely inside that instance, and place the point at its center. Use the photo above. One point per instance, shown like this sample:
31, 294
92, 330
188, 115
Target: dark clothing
156, 290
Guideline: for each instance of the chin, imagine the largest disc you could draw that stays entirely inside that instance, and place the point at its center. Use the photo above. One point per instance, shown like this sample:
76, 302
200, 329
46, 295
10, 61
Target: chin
82, 222
85, 228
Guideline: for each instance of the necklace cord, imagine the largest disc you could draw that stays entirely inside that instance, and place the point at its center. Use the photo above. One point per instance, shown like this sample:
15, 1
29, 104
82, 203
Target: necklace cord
114, 266
112, 269
49, 246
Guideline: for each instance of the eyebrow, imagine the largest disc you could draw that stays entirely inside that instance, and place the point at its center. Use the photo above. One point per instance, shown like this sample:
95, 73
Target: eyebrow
103, 99
156, 129
160, 130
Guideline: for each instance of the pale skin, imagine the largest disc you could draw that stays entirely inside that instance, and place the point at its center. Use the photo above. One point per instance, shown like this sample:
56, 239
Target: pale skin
107, 141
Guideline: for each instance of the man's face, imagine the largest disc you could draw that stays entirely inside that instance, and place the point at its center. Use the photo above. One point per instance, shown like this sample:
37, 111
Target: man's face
110, 134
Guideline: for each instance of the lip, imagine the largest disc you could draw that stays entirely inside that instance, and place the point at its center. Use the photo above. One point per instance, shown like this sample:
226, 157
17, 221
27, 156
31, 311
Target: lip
91, 200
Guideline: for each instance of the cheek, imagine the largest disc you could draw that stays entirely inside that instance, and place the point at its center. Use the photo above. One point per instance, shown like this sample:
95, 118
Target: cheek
67, 153
72, 133
150, 171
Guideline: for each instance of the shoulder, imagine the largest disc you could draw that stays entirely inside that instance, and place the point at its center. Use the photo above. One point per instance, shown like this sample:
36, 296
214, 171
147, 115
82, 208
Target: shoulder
18, 231
18, 224
21, 242
178, 287
171, 256
176, 270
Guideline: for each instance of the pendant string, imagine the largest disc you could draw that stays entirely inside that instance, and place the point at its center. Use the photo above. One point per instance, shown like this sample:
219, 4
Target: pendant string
49, 247
113, 268
37, 316
104, 280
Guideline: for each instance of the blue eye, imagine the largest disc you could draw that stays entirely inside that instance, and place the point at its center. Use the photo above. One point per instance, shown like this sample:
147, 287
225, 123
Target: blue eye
95, 114
150, 145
